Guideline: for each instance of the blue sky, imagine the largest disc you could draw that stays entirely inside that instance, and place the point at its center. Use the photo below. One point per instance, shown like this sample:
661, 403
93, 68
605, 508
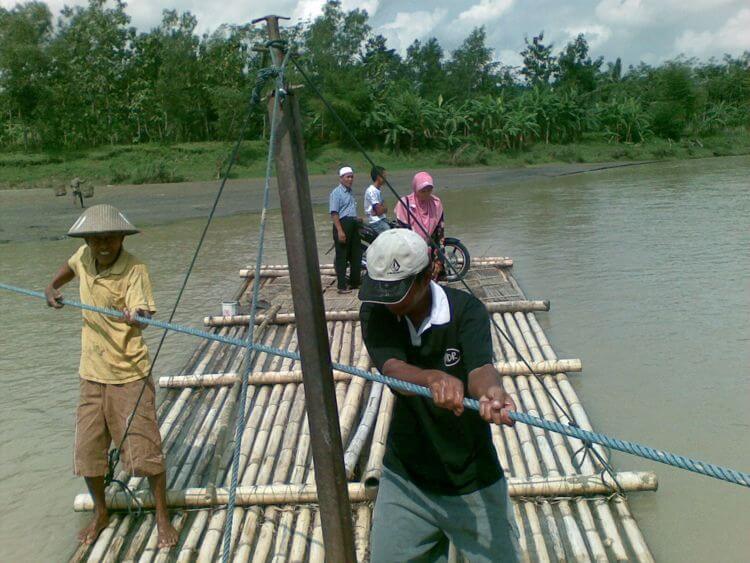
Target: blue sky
636, 30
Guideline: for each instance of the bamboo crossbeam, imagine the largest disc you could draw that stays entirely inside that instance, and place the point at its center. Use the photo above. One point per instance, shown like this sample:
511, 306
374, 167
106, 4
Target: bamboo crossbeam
522, 306
263, 495
255, 378
295, 376
282, 270
539, 367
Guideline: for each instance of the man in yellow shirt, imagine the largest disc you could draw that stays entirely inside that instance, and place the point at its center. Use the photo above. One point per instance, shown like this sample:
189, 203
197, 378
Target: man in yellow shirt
115, 365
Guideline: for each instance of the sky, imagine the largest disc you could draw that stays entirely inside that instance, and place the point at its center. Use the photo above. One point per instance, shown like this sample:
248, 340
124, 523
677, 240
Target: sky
651, 31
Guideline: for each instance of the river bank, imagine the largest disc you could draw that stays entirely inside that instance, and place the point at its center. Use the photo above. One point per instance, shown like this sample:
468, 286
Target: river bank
200, 162
36, 214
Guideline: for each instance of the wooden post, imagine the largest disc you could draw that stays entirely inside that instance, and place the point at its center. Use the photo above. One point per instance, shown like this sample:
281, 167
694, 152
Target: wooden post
307, 296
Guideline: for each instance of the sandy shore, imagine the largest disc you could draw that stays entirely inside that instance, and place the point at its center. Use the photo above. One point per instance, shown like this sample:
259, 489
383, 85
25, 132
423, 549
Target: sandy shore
36, 214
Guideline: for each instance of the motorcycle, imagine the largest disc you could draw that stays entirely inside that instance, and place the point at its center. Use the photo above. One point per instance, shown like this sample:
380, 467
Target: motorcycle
457, 255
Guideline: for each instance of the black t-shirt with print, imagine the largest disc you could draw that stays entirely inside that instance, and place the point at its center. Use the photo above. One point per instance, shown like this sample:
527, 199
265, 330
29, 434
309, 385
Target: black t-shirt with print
429, 445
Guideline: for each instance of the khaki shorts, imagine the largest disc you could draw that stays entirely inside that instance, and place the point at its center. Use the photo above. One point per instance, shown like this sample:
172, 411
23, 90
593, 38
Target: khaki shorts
101, 419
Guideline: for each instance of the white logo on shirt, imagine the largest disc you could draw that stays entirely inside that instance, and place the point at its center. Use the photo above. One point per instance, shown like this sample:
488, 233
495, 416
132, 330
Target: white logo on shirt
452, 357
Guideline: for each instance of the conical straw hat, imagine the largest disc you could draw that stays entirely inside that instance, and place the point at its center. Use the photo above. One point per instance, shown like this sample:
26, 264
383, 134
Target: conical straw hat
100, 220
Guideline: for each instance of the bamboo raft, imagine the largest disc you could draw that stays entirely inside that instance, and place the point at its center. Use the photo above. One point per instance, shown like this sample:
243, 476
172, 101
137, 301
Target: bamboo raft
564, 508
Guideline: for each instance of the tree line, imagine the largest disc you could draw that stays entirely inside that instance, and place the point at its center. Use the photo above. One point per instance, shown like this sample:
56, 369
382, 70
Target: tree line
89, 78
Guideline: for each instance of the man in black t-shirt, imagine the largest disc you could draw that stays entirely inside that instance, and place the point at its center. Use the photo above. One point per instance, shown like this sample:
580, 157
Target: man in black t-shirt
442, 481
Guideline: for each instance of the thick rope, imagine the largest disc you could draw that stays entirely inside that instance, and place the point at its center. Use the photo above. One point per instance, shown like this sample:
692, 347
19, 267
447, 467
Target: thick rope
249, 354
646, 452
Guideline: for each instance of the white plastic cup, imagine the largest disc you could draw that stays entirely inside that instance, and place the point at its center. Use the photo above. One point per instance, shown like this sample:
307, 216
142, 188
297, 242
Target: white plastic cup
229, 308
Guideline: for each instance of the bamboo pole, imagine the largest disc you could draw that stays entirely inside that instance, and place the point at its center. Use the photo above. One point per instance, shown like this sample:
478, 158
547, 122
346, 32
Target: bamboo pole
520, 462
263, 476
248, 524
362, 532
527, 442
282, 270
283, 467
295, 376
197, 458
285, 493
353, 451
559, 445
374, 468
575, 538
286, 318
311, 519
255, 378
190, 544
299, 542
354, 392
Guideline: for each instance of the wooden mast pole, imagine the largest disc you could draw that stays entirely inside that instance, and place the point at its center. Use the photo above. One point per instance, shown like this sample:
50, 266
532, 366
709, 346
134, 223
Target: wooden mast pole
307, 296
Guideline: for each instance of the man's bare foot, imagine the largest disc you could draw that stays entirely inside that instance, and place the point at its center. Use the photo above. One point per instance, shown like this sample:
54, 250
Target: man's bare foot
89, 534
167, 534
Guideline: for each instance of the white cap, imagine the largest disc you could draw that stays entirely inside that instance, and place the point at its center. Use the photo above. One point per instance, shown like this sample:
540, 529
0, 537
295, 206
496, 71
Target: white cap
344, 170
393, 261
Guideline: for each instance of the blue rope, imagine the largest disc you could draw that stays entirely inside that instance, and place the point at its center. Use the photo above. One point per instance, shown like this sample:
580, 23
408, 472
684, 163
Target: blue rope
667, 458
249, 356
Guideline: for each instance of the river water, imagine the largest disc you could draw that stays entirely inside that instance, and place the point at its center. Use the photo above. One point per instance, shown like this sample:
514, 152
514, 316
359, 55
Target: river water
646, 268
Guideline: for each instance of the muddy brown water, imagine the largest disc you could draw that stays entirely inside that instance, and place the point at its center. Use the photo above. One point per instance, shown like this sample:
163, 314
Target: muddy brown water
646, 267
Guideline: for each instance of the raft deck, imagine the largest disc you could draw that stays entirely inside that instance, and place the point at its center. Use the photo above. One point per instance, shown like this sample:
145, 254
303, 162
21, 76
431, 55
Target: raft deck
563, 508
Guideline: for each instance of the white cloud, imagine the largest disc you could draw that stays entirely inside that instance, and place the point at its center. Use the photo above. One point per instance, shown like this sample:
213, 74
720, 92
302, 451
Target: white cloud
652, 12
733, 37
510, 57
310, 9
625, 12
735, 34
693, 43
596, 35
408, 26
307, 9
485, 11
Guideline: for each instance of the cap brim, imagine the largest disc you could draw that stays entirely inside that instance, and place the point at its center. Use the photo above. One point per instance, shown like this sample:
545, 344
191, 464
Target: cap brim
385, 293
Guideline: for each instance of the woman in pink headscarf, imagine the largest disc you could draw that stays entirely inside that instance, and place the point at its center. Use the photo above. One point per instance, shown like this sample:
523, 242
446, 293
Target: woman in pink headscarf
426, 217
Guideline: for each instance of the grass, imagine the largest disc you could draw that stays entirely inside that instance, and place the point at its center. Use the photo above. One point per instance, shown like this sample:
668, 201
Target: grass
152, 163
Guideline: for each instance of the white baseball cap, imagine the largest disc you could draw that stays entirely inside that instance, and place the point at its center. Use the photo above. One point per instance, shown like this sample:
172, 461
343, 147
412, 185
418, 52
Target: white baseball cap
393, 261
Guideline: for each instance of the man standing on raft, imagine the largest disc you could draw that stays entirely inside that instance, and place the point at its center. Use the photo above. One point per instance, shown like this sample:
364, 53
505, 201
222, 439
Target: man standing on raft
115, 365
343, 208
441, 480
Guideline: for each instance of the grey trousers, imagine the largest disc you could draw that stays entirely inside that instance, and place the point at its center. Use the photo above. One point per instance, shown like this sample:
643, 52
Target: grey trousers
411, 524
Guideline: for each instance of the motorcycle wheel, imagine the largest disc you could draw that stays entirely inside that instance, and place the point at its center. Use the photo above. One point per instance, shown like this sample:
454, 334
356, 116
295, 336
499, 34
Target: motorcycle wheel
458, 255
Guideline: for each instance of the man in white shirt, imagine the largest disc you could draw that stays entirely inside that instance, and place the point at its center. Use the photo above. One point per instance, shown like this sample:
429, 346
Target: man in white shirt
375, 209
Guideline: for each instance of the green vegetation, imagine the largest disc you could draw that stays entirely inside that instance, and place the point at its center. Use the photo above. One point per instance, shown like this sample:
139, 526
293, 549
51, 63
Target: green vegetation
151, 163
90, 96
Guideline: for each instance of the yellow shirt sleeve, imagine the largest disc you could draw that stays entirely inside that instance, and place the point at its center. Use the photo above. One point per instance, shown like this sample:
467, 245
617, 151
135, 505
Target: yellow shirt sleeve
139, 294
76, 261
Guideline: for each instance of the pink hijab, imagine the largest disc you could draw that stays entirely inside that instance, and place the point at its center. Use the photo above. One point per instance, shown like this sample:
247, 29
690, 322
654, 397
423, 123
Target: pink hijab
429, 213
